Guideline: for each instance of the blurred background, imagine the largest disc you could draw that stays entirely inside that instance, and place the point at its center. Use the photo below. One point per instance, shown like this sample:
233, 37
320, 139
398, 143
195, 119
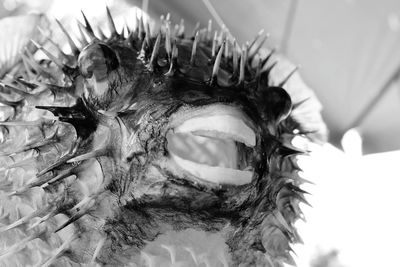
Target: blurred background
349, 55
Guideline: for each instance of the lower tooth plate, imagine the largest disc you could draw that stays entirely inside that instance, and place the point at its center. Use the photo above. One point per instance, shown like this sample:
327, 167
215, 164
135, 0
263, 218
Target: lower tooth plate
218, 175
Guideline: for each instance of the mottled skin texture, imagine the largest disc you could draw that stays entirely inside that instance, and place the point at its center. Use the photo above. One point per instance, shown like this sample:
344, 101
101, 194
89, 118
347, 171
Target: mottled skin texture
127, 90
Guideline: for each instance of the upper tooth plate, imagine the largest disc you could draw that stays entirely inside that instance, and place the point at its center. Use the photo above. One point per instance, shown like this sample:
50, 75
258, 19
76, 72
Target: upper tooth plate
226, 125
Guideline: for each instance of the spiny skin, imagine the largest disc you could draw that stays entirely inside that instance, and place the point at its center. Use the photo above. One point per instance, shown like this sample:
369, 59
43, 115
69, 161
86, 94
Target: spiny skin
110, 190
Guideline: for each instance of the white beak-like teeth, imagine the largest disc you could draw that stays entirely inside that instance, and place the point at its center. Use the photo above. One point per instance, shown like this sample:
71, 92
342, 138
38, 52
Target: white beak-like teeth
218, 175
229, 126
219, 126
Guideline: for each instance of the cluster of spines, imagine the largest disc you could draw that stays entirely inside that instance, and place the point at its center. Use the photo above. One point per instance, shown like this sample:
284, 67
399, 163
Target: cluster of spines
44, 179
70, 161
222, 47
240, 59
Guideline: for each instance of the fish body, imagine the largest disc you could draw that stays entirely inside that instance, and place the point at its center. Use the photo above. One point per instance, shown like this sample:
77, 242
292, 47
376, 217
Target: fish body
150, 149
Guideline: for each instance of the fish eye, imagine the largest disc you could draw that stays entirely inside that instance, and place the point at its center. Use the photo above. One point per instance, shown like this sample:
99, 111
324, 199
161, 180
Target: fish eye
96, 61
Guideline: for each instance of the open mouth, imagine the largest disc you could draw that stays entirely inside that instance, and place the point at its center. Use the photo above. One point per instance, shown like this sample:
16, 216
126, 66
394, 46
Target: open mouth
214, 144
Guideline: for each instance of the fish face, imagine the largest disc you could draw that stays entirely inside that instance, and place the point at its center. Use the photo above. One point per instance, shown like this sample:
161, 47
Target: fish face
170, 108
178, 150
193, 150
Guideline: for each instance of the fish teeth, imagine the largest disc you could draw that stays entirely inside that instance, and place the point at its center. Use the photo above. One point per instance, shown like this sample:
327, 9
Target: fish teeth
219, 126
216, 121
218, 175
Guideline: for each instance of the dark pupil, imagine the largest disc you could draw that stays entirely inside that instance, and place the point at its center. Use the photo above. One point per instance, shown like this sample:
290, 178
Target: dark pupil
110, 57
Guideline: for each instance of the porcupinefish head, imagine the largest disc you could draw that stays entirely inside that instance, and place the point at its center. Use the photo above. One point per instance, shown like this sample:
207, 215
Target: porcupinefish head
174, 151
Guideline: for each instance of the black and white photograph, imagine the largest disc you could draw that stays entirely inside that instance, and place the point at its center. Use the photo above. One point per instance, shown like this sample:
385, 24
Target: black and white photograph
199, 133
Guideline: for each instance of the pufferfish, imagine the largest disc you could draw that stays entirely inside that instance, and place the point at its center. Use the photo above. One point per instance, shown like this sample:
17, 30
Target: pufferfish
149, 147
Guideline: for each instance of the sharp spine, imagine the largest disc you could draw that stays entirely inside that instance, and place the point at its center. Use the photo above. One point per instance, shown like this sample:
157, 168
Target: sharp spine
258, 70
27, 67
83, 39
194, 47
92, 154
226, 50
58, 48
214, 75
222, 35
282, 222
214, 44
98, 248
243, 59
71, 43
235, 58
196, 29
174, 61
86, 206
53, 58
14, 89
168, 41
295, 177
301, 198
258, 47
101, 33
143, 49
87, 26
141, 28
83, 29
52, 213
268, 70
32, 145
253, 42
122, 35
282, 83
147, 32
202, 33
285, 151
51, 180
136, 29
111, 23
298, 104
181, 31
267, 58
24, 219
36, 66
44, 182
23, 123
154, 54
49, 261
209, 30
21, 163
26, 83
175, 32
126, 25
55, 165
20, 245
